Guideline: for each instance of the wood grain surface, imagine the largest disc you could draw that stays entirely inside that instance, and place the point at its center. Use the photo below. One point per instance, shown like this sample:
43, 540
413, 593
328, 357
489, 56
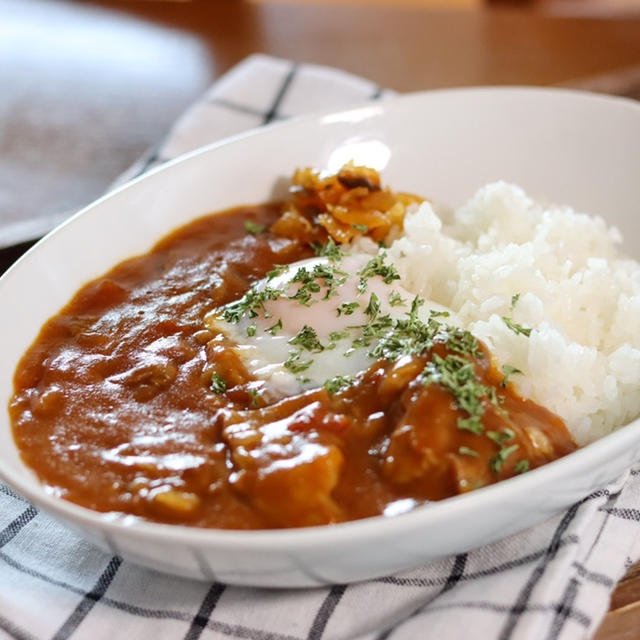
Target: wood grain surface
87, 87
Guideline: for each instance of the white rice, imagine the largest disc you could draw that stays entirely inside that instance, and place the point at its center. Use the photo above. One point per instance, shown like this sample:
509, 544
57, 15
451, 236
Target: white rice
579, 295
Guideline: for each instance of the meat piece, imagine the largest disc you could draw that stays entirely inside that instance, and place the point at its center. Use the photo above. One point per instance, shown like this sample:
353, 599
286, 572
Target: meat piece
288, 467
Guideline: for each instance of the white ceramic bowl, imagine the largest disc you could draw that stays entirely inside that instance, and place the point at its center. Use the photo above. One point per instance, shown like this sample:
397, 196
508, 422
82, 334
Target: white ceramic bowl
569, 147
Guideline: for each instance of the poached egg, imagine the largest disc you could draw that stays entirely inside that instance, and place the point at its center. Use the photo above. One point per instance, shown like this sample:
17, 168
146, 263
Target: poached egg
309, 323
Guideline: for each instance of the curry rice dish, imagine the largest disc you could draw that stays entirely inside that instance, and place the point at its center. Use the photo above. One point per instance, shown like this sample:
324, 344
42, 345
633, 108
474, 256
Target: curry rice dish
344, 354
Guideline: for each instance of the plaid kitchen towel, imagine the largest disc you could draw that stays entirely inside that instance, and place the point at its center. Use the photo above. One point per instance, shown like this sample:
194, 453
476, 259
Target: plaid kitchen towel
552, 581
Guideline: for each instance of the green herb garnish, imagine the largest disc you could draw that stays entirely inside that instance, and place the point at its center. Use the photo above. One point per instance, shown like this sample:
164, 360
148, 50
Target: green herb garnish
522, 466
275, 328
463, 342
508, 371
457, 375
255, 396
331, 276
467, 451
408, 335
373, 331
377, 267
251, 303
396, 300
361, 227
514, 300
497, 461
338, 383
218, 384
472, 424
347, 308
308, 286
307, 338
330, 250
277, 270
500, 437
251, 330
253, 227
373, 308
295, 364
516, 328
416, 303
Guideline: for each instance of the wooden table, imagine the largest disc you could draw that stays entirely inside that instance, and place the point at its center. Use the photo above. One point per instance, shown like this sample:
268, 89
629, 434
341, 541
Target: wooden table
87, 87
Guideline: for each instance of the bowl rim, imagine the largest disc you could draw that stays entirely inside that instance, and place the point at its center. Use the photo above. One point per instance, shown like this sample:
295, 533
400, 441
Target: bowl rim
589, 456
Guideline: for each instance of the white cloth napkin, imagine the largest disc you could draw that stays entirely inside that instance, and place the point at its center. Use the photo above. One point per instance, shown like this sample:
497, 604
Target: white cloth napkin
548, 582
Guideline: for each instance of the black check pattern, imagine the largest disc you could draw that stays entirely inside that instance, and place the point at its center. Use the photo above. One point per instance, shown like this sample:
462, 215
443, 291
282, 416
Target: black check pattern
550, 582
508, 590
